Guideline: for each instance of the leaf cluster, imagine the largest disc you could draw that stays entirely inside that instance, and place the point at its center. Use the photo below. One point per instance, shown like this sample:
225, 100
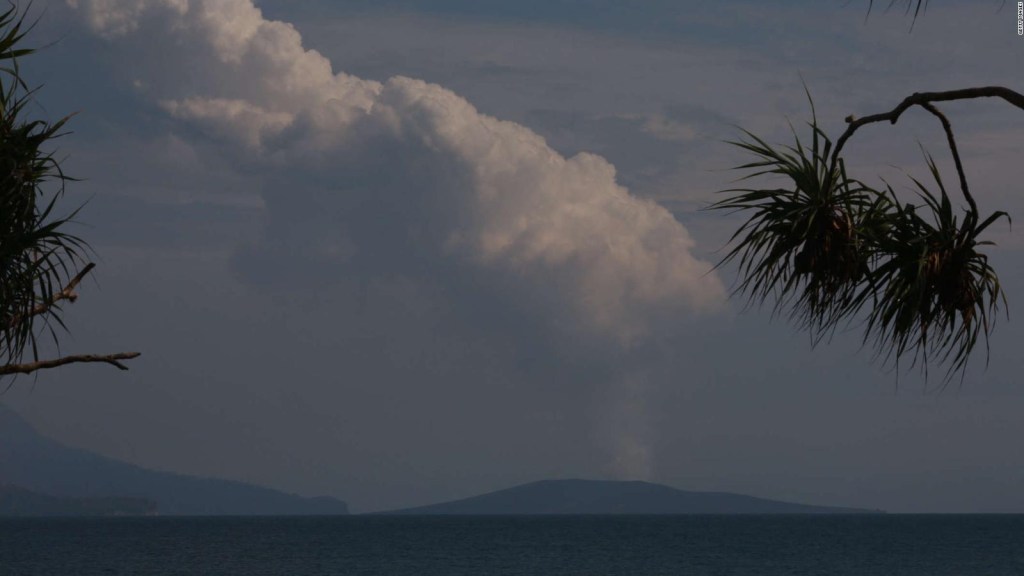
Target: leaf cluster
828, 250
938, 292
36, 256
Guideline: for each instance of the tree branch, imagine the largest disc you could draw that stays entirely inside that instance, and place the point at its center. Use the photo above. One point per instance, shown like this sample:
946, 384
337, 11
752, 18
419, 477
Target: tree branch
920, 99
956, 157
112, 359
67, 293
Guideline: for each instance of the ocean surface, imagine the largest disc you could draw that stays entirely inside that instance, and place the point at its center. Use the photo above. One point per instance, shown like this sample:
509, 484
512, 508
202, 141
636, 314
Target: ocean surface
577, 545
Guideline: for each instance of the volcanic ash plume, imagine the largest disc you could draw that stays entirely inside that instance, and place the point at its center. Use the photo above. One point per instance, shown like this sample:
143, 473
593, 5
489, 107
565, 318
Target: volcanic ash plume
455, 185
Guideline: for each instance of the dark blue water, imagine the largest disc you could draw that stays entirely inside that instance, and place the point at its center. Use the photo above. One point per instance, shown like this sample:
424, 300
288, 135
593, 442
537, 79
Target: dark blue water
427, 546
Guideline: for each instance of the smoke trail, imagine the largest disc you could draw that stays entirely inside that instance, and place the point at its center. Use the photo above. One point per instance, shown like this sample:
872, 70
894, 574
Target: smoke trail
627, 428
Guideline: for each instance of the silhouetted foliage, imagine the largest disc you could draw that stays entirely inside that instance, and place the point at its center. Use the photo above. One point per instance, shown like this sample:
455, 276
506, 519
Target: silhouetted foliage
829, 250
40, 263
36, 258
916, 5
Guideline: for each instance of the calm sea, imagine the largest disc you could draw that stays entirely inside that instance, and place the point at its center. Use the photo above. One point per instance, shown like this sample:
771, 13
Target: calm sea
478, 546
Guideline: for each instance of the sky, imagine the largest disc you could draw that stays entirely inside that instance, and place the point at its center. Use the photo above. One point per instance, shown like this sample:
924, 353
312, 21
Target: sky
399, 252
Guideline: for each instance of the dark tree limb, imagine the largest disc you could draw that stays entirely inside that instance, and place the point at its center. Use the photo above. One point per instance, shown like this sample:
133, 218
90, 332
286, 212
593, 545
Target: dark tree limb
67, 293
926, 100
112, 359
920, 99
956, 156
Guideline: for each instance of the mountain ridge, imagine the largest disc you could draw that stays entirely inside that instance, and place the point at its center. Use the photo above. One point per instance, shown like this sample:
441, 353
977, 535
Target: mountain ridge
39, 464
599, 497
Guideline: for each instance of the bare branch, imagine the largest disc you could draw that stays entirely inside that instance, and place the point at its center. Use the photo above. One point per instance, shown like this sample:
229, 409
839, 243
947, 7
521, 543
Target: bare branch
956, 156
920, 99
67, 293
112, 359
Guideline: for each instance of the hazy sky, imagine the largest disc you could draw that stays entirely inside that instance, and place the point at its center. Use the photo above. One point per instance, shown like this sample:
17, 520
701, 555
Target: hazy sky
404, 251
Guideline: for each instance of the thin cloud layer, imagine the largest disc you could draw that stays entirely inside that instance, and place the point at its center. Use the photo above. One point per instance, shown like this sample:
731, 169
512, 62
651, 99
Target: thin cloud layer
405, 175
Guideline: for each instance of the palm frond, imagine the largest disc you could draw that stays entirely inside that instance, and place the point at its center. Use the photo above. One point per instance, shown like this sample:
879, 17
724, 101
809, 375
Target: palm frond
918, 6
825, 250
939, 295
37, 257
803, 244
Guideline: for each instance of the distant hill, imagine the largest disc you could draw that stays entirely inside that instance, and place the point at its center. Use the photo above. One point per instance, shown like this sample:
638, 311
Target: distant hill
44, 466
607, 497
15, 501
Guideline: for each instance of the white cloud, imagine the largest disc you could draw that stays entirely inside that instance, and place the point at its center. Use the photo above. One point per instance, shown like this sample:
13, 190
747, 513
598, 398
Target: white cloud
455, 184
667, 129
113, 18
234, 119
